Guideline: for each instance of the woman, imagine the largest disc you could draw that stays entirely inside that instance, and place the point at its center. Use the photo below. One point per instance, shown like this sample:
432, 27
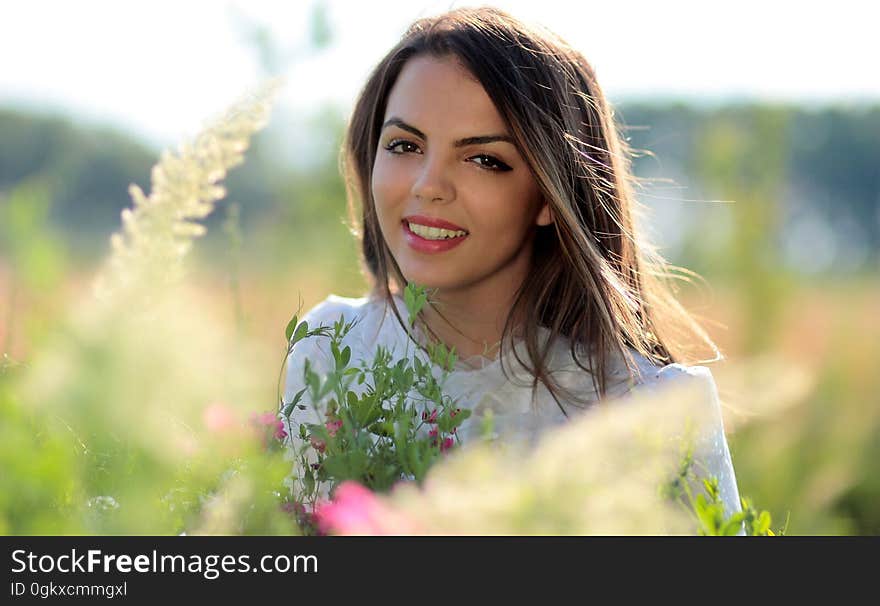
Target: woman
483, 162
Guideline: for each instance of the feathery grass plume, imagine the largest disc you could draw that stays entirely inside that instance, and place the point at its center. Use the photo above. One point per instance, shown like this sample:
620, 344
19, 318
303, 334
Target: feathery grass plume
129, 387
159, 229
599, 474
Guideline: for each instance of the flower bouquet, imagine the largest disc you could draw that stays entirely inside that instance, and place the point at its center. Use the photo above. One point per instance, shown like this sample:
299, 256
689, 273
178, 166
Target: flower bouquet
377, 424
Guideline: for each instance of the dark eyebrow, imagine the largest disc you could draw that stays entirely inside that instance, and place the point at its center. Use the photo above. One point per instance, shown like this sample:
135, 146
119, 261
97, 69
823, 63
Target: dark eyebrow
460, 143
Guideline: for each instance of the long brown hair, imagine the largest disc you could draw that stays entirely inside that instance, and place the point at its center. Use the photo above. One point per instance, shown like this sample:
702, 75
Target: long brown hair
593, 279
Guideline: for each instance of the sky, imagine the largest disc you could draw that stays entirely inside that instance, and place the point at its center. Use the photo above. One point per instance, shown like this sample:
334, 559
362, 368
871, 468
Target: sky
161, 69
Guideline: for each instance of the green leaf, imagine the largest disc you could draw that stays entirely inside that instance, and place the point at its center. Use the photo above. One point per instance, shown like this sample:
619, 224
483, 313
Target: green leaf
288, 332
413, 459
732, 526
705, 514
289, 407
409, 298
308, 478
313, 381
300, 331
384, 429
373, 413
451, 360
764, 522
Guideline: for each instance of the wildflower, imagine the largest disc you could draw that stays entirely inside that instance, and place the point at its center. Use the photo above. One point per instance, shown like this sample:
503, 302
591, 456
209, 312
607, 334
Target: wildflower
447, 444
268, 420
317, 444
432, 433
280, 433
355, 510
333, 427
267, 424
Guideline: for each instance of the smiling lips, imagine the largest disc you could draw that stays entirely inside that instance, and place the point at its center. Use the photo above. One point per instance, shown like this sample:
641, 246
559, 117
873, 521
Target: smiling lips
433, 222
428, 235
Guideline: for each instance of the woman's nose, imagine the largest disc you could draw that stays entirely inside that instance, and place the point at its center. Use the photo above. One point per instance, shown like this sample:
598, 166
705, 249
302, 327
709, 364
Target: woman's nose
433, 181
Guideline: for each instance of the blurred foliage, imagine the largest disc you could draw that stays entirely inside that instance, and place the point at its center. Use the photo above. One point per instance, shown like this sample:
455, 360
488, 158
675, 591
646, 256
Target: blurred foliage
131, 416
35, 258
820, 161
83, 169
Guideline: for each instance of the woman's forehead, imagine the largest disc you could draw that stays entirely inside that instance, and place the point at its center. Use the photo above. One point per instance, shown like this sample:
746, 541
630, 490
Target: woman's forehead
440, 95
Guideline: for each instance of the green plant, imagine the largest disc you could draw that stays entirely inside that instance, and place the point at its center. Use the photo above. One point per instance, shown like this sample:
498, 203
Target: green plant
708, 508
396, 428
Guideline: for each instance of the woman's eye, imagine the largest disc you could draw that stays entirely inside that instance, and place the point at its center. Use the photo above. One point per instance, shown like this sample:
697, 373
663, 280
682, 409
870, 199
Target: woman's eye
397, 144
491, 163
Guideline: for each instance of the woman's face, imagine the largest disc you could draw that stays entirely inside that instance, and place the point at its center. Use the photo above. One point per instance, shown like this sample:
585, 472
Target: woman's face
446, 154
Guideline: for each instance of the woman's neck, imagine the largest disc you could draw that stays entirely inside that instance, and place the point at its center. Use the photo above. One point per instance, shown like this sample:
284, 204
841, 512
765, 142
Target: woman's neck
473, 324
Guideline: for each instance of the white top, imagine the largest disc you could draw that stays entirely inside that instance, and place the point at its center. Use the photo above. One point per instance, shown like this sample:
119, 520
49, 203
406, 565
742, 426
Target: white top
479, 384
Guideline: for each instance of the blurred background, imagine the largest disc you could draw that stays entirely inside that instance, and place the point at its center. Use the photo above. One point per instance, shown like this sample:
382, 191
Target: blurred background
757, 132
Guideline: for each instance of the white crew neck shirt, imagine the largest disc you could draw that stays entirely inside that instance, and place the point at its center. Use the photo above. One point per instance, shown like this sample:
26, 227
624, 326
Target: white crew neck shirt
479, 384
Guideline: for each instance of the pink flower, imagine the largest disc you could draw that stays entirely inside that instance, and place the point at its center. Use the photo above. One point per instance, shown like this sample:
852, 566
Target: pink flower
355, 510
333, 427
433, 417
317, 444
280, 433
432, 433
268, 421
447, 444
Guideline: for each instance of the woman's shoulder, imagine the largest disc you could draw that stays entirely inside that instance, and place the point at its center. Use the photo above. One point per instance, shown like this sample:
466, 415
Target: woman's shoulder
704, 412
696, 382
652, 376
372, 322
652, 373
329, 310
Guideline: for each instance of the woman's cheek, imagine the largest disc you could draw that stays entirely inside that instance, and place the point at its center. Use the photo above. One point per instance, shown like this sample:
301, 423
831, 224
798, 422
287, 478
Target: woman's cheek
387, 185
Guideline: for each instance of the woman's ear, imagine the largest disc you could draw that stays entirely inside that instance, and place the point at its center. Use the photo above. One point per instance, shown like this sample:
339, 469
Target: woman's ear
545, 215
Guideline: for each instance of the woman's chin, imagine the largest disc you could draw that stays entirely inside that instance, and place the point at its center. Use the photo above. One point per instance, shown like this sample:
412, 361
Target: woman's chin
430, 278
